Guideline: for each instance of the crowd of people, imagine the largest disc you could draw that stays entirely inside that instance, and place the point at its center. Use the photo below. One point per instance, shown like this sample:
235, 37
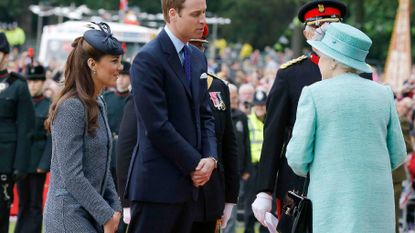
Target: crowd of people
170, 141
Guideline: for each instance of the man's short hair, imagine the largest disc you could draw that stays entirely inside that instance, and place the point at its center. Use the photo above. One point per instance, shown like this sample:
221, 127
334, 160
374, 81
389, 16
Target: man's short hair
166, 5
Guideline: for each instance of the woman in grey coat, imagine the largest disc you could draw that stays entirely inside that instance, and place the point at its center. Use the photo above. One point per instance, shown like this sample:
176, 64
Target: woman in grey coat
82, 196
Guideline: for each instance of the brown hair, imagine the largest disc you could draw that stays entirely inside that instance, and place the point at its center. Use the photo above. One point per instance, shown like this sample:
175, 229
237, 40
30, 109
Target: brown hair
166, 5
78, 83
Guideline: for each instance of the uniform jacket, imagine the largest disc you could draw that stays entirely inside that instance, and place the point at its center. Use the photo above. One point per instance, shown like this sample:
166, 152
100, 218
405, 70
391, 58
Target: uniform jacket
41, 150
223, 185
175, 121
281, 109
348, 137
115, 102
82, 194
17, 119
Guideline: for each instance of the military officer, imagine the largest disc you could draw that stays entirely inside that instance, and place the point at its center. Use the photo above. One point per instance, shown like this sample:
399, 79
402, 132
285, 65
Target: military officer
240, 124
219, 195
274, 173
115, 102
30, 188
16, 124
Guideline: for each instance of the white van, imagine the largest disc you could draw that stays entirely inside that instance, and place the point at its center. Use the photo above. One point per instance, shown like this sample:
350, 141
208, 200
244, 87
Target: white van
56, 39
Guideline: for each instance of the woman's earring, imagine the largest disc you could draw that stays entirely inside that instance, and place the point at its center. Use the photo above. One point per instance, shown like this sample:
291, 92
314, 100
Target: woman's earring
94, 72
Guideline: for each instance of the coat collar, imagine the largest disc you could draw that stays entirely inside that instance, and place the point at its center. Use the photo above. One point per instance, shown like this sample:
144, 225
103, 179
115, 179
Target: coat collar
174, 61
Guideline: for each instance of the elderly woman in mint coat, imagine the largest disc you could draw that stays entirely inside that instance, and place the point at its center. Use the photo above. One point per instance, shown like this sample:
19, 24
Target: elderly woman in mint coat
348, 138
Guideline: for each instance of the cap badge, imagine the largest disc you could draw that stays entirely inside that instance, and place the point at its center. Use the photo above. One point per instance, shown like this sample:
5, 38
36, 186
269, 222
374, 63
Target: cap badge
320, 8
260, 95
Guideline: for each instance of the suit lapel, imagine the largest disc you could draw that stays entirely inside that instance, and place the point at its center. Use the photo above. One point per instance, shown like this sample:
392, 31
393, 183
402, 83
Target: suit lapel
195, 76
174, 60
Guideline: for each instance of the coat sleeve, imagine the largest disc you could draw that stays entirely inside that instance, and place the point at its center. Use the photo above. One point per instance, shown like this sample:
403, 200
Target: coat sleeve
68, 138
151, 103
276, 121
300, 149
395, 140
207, 124
110, 194
25, 118
230, 155
127, 140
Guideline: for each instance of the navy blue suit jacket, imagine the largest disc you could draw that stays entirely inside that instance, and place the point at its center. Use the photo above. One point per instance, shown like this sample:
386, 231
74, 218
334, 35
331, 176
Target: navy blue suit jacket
176, 124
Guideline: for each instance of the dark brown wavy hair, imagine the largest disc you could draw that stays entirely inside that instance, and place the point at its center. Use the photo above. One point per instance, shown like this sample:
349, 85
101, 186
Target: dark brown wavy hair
78, 83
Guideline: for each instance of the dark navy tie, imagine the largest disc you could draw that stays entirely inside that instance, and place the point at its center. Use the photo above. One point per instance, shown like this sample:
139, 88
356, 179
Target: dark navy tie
186, 64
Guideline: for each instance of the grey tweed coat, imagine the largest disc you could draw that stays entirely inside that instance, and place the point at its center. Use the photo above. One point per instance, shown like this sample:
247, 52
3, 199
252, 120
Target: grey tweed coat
82, 194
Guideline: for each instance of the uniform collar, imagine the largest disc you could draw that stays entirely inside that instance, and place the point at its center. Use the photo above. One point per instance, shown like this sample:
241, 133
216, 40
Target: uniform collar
4, 73
124, 93
314, 58
37, 99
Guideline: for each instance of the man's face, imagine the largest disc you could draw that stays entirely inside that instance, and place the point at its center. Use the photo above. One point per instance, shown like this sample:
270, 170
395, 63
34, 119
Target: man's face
190, 21
35, 87
123, 81
315, 31
260, 110
234, 98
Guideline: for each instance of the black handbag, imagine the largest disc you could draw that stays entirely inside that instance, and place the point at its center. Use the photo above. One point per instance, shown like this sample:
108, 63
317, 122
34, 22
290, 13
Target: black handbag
297, 217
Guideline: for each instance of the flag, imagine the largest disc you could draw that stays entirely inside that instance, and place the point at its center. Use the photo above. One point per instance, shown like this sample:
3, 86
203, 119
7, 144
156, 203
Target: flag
124, 5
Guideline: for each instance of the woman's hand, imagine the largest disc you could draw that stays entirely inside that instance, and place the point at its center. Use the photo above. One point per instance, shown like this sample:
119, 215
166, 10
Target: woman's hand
111, 226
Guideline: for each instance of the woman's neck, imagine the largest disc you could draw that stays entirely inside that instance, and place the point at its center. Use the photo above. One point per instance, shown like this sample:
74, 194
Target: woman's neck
340, 71
98, 88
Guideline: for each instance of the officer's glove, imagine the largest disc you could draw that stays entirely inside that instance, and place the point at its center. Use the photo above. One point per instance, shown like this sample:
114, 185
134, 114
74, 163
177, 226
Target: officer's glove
126, 213
227, 212
261, 205
18, 176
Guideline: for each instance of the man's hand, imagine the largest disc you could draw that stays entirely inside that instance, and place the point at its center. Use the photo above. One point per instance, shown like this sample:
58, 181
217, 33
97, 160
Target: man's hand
261, 205
40, 170
111, 226
227, 212
246, 176
202, 173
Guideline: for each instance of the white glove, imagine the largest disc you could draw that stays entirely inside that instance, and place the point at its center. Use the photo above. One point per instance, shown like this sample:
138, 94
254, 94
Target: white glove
227, 211
261, 205
126, 213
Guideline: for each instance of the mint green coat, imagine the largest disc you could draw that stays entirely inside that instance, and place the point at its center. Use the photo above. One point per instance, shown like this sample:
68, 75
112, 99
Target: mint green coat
348, 137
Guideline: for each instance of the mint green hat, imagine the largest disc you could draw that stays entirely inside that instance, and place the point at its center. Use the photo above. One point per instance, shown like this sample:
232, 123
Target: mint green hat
345, 44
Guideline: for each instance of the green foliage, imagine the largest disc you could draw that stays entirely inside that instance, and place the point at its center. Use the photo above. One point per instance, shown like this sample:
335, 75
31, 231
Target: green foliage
258, 22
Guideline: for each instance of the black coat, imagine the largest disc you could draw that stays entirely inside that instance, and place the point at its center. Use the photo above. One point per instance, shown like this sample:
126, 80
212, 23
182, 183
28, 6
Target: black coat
17, 119
127, 140
223, 185
240, 123
281, 112
115, 102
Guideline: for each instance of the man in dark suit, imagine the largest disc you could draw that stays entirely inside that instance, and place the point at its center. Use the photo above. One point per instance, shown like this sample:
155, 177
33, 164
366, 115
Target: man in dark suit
30, 188
127, 140
177, 151
218, 197
17, 119
281, 110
